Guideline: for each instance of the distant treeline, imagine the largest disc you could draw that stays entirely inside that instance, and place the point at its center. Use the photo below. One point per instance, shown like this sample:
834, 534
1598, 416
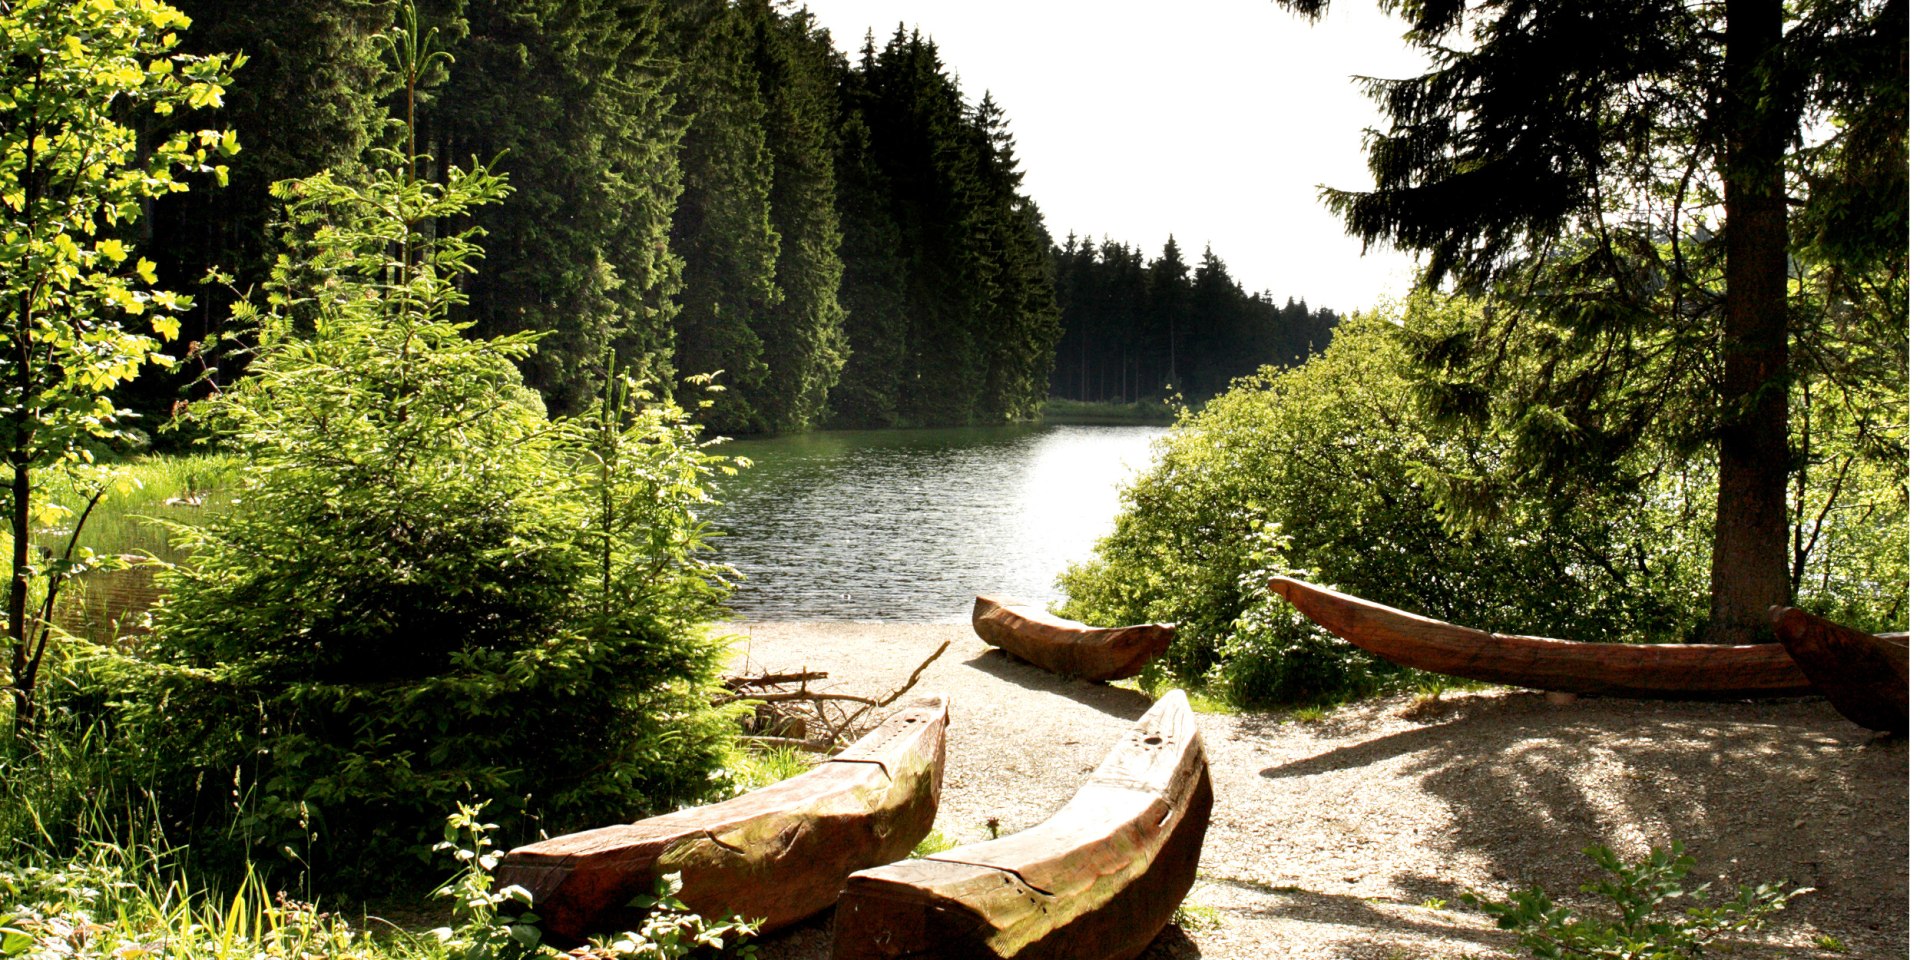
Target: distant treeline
1137, 329
699, 185
709, 185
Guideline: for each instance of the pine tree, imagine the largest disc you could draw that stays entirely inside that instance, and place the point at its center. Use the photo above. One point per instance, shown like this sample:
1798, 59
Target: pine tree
571, 96
803, 335
1620, 171
723, 225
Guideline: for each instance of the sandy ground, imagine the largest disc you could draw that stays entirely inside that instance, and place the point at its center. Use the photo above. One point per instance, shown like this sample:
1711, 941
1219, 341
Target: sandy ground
1355, 835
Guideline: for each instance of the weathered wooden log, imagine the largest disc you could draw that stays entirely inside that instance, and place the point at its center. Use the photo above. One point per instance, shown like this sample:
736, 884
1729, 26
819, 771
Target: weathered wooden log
1863, 675
1662, 671
1097, 881
779, 853
1065, 646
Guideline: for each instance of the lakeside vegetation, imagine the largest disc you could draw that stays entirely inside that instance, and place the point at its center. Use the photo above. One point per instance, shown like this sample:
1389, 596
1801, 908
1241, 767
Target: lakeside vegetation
452, 544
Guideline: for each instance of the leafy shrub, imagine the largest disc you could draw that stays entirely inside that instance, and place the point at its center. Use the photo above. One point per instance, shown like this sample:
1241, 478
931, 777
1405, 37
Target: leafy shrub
427, 590
1331, 470
1651, 924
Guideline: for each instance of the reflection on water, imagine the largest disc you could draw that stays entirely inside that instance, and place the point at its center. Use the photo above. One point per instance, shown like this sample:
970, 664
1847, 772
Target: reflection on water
907, 525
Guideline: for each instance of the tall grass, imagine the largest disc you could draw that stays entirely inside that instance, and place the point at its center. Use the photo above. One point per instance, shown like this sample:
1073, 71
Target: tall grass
142, 496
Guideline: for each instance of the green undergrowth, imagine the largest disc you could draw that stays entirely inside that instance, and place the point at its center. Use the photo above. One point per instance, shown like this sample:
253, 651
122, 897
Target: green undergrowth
753, 767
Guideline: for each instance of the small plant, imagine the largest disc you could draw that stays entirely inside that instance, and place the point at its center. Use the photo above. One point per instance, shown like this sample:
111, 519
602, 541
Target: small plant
1434, 903
1829, 943
1194, 918
1311, 713
754, 768
670, 930
1651, 924
491, 924
934, 842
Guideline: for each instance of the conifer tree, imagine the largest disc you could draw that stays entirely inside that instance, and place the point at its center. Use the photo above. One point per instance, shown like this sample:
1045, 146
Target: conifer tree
1620, 172
570, 95
803, 335
723, 225
873, 285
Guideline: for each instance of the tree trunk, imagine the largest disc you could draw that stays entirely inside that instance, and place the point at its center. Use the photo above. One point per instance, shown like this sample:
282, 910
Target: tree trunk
22, 691
1750, 526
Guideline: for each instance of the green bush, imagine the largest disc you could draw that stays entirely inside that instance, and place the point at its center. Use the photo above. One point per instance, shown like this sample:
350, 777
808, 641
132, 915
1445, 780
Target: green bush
1353, 471
1651, 925
1331, 471
427, 591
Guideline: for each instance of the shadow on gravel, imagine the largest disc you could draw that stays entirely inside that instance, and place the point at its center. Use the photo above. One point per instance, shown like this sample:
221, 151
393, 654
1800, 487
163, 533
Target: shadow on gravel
1378, 922
1172, 944
1112, 701
1757, 792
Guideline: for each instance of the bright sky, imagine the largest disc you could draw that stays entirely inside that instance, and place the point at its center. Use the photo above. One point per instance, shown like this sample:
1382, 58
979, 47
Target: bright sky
1215, 121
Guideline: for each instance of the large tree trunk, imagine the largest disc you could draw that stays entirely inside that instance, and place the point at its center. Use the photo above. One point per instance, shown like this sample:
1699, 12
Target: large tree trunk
1750, 528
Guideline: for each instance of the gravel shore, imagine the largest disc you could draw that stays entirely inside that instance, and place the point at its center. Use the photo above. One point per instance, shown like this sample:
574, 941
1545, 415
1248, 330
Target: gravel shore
1353, 836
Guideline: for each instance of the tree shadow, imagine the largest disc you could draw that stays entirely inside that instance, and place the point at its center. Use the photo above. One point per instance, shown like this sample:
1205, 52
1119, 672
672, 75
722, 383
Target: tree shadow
1113, 701
1381, 920
1756, 792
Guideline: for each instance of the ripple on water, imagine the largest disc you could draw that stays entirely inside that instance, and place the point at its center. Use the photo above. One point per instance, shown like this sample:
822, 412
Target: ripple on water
907, 525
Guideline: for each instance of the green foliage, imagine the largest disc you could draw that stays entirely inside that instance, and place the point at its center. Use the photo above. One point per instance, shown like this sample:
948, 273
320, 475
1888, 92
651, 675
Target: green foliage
952, 317
427, 589
1332, 469
80, 314
572, 98
723, 225
1140, 331
753, 768
1651, 924
118, 902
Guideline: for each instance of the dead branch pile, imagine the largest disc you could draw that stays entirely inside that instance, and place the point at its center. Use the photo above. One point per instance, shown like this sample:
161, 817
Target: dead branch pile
787, 712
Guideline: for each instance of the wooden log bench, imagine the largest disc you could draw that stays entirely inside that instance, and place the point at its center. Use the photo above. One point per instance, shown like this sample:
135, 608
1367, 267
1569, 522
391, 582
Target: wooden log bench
1097, 881
779, 853
1067, 646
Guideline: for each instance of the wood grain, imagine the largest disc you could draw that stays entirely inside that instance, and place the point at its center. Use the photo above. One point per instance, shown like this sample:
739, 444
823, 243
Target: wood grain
1097, 881
1863, 675
1670, 671
1066, 646
780, 853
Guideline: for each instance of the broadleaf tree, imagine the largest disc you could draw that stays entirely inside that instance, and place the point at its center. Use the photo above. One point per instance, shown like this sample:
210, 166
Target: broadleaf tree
80, 314
1686, 210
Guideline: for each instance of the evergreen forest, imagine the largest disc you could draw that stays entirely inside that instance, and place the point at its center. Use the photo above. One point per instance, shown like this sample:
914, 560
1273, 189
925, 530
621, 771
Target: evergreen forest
704, 187
367, 369
1162, 329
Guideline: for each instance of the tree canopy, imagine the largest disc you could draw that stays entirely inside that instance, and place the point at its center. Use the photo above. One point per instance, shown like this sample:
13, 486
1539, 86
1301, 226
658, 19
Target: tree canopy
1695, 213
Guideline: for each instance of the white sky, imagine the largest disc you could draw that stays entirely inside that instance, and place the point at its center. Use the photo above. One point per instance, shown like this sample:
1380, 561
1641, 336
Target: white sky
1213, 120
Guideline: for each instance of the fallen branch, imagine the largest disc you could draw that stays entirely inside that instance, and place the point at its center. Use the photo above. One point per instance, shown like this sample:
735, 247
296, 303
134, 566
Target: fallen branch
875, 705
773, 679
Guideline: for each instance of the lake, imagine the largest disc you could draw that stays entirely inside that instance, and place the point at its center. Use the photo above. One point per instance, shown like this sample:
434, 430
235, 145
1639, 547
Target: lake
907, 525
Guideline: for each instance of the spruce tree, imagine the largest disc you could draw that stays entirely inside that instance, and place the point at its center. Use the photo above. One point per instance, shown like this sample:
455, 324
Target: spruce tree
1620, 171
570, 95
873, 285
802, 335
723, 225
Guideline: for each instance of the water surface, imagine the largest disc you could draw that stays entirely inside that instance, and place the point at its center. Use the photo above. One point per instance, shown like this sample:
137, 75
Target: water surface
907, 525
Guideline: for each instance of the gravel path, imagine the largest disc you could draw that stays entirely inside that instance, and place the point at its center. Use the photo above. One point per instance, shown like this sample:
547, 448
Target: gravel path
1354, 836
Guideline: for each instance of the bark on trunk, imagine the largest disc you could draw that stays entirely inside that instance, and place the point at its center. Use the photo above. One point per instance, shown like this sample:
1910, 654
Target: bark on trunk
17, 606
1750, 527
